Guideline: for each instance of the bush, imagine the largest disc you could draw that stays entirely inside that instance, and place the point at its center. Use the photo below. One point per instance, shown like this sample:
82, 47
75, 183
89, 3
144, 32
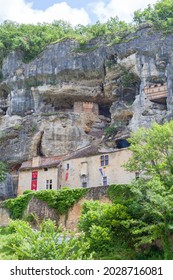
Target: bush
106, 228
17, 206
47, 243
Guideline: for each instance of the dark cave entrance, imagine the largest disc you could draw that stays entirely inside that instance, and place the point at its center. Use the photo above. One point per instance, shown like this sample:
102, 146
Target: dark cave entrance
39, 146
122, 143
104, 110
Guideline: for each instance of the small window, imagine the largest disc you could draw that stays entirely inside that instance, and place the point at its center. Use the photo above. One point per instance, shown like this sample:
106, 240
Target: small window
105, 181
49, 184
46, 169
67, 168
104, 160
84, 181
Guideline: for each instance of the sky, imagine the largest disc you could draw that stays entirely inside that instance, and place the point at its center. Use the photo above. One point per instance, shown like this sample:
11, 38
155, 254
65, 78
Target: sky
75, 12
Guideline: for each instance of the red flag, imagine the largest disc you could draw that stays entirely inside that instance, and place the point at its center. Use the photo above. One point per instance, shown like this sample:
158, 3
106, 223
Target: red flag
66, 176
34, 180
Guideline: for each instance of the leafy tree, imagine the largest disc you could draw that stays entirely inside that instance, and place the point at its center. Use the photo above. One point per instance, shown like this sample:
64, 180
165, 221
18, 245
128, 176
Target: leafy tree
161, 14
106, 229
32, 39
47, 243
153, 159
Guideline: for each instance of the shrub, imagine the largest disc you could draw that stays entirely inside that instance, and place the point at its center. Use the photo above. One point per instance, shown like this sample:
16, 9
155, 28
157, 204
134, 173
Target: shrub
47, 243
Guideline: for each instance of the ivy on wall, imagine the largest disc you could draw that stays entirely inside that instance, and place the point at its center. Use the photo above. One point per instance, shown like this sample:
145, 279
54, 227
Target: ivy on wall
61, 200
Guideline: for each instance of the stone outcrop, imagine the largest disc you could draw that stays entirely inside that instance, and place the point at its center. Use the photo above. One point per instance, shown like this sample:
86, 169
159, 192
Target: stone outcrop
7, 188
38, 100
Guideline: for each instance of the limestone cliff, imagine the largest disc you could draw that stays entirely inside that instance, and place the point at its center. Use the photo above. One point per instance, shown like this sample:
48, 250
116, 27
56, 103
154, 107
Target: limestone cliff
40, 102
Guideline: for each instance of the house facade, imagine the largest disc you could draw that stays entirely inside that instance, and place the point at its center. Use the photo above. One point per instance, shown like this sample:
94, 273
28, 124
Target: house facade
82, 169
39, 174
96, 170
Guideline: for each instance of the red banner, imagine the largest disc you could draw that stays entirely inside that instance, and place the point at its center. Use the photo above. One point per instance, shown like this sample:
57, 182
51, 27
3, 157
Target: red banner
66, 176
34, 180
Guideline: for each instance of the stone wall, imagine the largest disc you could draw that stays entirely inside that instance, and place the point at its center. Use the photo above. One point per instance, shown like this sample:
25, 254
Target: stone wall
70, 223
4, 217
43, 211
86, 107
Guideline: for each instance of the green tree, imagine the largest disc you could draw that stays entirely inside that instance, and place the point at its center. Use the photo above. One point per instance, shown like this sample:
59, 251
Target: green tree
106, 229
46, 243
153, 158
161, 14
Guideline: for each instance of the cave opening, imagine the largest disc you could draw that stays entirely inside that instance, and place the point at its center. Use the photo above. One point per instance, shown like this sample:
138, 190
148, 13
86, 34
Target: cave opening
51, 105
39, 146
104, 110
4, 91
122, 143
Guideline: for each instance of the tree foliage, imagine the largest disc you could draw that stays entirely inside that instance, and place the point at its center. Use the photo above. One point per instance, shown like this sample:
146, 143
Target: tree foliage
46, 243
161, 14
106, 229
153, 159
32, 39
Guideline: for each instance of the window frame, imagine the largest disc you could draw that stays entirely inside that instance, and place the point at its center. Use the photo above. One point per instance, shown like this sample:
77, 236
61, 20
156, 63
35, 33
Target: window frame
104, 160
49, 184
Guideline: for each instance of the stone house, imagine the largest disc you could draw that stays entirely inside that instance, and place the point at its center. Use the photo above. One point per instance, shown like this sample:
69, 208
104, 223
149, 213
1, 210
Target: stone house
86, 167
39, 173
91, 168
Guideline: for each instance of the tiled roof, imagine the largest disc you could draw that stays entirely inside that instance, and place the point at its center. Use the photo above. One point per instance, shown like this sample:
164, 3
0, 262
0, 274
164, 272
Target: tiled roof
26, 164
91, 150
43, 162
87, 151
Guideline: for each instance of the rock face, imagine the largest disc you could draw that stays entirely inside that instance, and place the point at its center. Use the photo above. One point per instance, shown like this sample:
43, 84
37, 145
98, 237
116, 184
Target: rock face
39, 101
7, 188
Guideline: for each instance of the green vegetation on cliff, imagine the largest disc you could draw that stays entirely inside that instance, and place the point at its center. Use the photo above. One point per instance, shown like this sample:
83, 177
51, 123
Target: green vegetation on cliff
161, 15
32, 39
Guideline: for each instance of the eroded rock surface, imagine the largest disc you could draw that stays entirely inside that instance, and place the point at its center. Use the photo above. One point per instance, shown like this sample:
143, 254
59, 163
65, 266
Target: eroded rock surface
39, 101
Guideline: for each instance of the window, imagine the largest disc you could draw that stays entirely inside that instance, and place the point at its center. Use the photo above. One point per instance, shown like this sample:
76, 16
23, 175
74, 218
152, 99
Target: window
67, 167
105, 181
84, 181
104, 160
49, 184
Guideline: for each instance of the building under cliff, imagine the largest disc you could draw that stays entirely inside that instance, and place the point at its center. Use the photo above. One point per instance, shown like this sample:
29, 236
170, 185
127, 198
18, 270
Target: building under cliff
65, 99
85, 168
